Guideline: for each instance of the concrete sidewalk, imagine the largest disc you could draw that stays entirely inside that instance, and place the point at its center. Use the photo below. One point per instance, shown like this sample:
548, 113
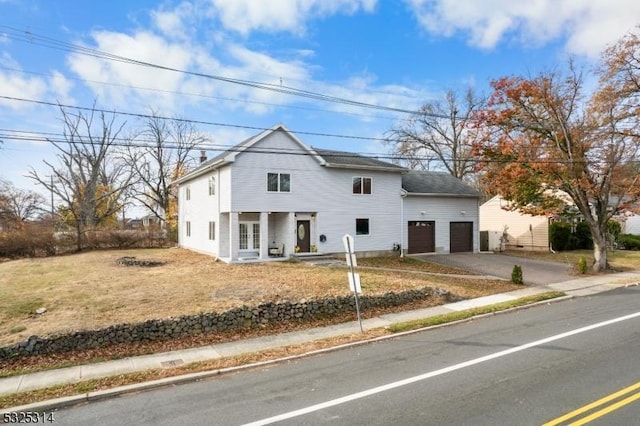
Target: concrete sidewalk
26, 382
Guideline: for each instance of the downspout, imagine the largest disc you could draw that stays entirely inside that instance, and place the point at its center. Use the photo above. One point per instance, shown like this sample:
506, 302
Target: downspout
403, 194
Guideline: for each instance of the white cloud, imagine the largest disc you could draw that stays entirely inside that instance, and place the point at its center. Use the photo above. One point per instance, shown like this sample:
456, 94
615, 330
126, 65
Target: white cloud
174, 23
143, 46
588, 25
60, 86
244, 16
15, 85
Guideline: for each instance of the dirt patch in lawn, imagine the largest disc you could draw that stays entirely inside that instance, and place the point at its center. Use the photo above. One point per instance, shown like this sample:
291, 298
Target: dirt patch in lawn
92, 290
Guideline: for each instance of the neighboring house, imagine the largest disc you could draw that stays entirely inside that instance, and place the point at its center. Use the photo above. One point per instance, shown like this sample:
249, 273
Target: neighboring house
273, 195
631, 224
509, 229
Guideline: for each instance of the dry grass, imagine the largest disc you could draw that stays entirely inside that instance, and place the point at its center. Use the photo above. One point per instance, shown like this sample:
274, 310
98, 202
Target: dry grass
90, 290
621, 260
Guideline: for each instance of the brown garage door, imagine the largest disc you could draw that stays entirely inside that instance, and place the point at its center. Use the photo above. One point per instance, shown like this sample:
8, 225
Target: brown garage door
422, 237
461, 236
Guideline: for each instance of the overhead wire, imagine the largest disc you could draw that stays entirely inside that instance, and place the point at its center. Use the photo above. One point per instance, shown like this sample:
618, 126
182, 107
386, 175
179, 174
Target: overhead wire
33, 38
201, 95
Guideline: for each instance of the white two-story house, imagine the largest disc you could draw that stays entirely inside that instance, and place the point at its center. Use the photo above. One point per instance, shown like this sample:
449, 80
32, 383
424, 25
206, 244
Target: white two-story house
271, 195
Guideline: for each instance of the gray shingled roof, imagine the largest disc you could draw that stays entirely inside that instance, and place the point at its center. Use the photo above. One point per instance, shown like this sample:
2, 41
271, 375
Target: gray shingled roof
353, 160
422, 182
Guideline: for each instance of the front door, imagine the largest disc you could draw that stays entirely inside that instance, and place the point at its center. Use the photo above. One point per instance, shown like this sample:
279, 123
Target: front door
304, 236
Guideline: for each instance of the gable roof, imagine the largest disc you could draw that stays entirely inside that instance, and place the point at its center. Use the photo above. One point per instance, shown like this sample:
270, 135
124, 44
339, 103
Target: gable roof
417, 182
327, 158
350, 160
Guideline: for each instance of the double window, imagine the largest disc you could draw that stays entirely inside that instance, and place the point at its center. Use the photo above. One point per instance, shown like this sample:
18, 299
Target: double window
362, 185
278, 182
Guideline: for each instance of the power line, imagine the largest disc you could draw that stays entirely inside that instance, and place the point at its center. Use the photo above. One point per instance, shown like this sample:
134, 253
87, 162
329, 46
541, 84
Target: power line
33, 38
208, 123
121, 142
200, 95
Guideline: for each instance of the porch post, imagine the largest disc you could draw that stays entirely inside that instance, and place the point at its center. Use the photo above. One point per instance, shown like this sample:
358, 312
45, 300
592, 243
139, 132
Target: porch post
264, 235
234, 238
290, 237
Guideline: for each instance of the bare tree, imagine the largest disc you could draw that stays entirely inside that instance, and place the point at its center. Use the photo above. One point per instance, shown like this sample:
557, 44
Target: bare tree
18, 205
90, 179
438, 136
161, 155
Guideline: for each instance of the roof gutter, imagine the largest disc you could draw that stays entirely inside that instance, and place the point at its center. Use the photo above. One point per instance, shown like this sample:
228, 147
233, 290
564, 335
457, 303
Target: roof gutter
441, 194
356, 167
200, 172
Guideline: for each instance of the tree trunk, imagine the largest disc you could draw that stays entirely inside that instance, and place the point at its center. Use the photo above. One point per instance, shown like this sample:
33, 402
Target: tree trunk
599, 252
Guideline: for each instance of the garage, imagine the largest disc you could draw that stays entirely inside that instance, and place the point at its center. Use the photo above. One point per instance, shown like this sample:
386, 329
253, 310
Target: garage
461, 237
422, 237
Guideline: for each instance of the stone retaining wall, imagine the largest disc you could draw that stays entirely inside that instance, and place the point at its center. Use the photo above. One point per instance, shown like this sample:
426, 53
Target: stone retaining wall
239, 318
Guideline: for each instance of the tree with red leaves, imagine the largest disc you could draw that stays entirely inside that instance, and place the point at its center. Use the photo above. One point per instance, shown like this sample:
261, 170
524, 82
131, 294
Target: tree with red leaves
545, 134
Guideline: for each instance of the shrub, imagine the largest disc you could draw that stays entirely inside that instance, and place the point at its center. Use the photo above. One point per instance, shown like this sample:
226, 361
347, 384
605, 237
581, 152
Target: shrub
560, 236
583, 239
516, 275
629, 241
614, 229
582, 265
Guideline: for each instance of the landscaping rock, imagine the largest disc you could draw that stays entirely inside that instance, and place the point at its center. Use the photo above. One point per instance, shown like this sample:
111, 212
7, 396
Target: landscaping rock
234, 319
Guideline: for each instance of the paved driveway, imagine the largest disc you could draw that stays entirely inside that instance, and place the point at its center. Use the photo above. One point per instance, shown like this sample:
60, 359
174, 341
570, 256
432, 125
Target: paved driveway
534, 272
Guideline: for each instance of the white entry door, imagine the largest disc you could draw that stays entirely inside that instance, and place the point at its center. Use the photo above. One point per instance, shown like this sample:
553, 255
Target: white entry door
249, 236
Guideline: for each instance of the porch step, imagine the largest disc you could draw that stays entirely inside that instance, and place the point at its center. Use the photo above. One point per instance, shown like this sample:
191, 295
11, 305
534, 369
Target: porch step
316, 258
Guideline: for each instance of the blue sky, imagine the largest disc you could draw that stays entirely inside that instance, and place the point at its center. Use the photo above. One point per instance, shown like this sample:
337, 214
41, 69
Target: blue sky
392, 53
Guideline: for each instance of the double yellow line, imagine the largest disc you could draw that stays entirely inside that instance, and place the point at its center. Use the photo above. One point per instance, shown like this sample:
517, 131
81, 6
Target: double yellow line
603, 411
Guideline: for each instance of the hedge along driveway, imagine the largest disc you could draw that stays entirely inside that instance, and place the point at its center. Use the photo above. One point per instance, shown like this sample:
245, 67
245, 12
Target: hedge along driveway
534, 272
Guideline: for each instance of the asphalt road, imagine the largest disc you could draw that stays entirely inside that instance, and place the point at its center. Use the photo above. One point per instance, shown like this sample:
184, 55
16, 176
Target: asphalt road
526, 367
534, 272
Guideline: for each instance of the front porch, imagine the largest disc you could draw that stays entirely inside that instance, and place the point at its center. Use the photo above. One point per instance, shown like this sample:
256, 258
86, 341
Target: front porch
266, 236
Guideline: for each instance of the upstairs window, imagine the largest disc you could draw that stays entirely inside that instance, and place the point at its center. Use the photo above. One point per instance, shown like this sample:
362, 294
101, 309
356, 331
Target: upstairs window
278, 182
188, 193
361, 185
212, 185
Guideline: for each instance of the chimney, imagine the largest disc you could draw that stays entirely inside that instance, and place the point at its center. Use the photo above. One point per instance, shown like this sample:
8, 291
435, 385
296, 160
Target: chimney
203, 156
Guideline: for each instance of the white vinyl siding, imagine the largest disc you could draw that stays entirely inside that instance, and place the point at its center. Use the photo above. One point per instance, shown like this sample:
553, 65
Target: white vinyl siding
442, 211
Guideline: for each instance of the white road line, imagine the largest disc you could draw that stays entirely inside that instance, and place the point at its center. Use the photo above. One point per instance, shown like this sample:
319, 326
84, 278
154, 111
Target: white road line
408, 381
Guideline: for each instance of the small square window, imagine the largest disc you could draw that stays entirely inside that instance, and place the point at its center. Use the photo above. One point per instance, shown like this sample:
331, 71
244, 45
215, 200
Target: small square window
362, 226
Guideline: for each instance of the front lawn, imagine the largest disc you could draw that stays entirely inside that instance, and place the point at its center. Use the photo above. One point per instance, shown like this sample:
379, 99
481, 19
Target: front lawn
91, 290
